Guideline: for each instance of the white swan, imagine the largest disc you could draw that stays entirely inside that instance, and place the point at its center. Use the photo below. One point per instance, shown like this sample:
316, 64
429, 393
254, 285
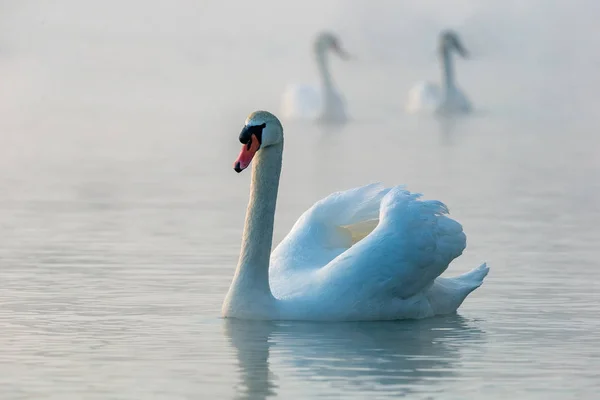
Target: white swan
324, 103
368, 253
449, 99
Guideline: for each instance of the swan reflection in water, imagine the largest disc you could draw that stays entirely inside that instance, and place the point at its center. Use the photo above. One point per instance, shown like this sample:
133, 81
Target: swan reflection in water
392, 357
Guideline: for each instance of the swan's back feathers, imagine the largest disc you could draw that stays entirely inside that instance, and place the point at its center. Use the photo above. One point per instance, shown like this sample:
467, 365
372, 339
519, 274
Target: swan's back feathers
428, 239
411, 246
328, 228
350, 207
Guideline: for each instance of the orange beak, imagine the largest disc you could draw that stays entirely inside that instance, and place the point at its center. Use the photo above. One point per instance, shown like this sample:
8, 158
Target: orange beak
247, 154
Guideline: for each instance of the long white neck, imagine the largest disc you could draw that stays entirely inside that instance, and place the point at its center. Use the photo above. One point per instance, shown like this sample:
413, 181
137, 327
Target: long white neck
447, 69
250, 285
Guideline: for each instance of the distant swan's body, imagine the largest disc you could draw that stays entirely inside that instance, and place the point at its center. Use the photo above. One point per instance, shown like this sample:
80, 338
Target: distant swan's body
445, 99
370, 253
321, 103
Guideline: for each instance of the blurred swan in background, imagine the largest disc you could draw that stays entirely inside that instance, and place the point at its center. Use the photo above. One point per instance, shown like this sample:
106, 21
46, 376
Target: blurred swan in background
447, 99
323, 103
369, 253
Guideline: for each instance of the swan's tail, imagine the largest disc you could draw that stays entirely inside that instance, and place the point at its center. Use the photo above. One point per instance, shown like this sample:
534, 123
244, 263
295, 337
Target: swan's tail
447, 294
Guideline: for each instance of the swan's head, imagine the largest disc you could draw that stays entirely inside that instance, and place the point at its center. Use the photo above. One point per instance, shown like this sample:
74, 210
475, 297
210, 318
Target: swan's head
261, 130
449, 41
327, 41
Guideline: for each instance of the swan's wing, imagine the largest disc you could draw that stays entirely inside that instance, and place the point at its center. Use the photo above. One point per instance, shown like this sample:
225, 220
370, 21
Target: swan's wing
423, 97
327, 229
412, 245
301, 102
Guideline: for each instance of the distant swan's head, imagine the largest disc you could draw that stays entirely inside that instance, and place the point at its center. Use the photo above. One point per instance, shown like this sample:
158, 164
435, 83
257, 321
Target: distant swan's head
261, 130
449, 41
326, 41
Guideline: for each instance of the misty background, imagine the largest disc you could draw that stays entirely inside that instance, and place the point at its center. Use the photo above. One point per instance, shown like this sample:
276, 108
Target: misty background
121, 216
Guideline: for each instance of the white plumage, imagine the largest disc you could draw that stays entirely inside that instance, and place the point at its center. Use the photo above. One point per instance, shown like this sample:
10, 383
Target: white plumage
369, 253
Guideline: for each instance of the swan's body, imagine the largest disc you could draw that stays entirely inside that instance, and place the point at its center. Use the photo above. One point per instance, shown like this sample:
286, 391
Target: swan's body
321, 103
370, 253
445, 99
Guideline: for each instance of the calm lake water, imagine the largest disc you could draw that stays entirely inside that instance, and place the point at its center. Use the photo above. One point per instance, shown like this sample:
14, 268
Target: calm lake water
121, 215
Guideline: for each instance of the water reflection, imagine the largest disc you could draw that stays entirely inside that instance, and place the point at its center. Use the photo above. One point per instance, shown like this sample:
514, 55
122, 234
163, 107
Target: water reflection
447, 128
451, 127
392, 356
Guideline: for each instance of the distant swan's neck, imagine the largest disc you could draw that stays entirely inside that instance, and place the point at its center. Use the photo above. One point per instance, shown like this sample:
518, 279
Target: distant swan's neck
250, 286
328, 110
448, 79
323, 65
